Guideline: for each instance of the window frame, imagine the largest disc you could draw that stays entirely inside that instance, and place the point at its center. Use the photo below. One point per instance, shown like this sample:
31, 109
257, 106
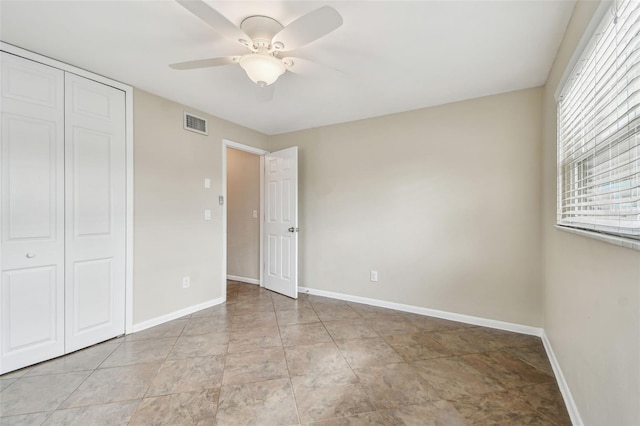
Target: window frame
599, 232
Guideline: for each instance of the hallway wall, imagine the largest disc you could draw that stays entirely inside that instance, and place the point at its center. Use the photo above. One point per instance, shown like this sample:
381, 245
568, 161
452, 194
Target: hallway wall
243, 230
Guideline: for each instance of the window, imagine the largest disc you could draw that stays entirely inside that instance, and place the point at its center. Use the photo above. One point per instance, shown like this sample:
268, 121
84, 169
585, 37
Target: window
599, 130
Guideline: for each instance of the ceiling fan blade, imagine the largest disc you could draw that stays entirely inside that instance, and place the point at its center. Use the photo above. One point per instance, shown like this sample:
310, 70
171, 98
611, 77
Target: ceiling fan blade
299, 65
308, 28
216, 20
203, 63
306, 67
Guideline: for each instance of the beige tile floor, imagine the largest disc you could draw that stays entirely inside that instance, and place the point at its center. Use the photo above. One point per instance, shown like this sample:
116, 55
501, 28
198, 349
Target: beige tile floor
264, 359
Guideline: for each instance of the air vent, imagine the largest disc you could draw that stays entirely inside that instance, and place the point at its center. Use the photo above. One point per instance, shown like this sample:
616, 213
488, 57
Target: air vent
195, 123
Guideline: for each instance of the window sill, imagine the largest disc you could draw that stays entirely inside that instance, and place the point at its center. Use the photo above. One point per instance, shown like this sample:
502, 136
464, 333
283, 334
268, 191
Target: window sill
611, 239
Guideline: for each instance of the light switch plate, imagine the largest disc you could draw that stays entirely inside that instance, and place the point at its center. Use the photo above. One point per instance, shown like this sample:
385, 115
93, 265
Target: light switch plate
255, 214
207, 183
207, 215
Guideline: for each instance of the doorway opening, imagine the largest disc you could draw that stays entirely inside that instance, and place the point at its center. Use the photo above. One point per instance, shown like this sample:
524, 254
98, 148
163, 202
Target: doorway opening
243, 197
277, 226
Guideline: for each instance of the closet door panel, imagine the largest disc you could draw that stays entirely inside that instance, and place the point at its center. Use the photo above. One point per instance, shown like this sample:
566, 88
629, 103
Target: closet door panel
30, 181
32, 308
32, 211
93, 287
95, 212
92, 181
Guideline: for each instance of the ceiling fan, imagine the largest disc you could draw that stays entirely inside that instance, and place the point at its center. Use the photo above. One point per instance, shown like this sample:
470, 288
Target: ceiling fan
264, 37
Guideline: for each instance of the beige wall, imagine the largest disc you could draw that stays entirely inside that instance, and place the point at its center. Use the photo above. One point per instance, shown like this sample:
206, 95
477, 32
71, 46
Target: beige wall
171, 237
243, 197
591, 288
443, 202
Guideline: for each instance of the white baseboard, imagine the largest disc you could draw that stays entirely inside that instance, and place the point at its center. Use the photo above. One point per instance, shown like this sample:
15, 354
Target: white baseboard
572, 408
243, 279
174, 315
467, 319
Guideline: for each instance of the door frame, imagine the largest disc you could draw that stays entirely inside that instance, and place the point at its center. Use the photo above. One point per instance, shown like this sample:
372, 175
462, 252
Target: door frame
261, 153
128, 91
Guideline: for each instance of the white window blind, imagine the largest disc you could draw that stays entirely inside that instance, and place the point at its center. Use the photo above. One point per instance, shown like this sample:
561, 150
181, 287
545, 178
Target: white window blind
599, 130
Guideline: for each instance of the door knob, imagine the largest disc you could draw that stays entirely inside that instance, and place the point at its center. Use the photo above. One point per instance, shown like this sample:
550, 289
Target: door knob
31, 255
292, 229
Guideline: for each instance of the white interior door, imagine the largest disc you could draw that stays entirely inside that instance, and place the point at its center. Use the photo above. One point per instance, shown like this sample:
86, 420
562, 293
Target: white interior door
32, 210
95, 213
281, 222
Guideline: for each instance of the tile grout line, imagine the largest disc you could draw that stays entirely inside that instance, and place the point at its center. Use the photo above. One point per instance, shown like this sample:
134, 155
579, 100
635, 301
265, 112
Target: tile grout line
504, 388
141, 399
368, 395
82, 382
224, 368
284, 352
162, 364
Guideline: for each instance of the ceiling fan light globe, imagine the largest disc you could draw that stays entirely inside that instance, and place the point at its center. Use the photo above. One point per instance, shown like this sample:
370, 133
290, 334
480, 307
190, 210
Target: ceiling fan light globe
262, 69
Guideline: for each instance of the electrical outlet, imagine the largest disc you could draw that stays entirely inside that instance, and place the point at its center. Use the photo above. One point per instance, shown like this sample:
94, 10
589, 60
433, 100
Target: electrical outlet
373, 276
186, 282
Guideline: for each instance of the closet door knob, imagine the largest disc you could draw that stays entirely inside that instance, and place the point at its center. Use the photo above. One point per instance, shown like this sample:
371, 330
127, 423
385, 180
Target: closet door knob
31, 255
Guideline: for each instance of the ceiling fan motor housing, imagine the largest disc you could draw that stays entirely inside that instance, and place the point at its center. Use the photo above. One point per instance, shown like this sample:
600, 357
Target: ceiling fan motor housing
261, 29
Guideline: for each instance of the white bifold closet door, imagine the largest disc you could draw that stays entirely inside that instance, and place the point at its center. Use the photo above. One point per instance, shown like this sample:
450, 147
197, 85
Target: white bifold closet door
32, 282
95, 212
63, 201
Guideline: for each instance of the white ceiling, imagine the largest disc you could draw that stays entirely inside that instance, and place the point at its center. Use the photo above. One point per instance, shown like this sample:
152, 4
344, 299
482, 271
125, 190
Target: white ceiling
389, 56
